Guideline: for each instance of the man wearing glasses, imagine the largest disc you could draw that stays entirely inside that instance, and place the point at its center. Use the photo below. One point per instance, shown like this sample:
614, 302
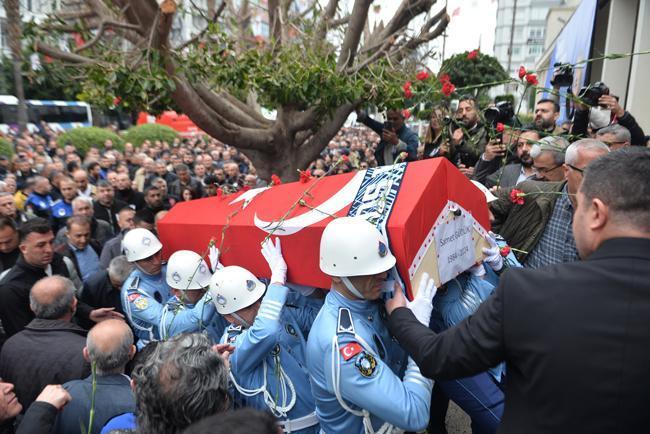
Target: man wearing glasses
536, 216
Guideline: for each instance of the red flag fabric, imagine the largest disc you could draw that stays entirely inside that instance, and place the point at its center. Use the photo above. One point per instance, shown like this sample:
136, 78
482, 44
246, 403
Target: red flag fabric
239, 223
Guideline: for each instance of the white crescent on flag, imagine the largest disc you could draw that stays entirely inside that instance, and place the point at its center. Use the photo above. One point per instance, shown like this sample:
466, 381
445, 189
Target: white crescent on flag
334, 204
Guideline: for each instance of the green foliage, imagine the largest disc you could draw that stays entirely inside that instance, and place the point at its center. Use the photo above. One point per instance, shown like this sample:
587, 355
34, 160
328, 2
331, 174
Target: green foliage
6, 148
152, 132
464, 71
49, 82
83, 138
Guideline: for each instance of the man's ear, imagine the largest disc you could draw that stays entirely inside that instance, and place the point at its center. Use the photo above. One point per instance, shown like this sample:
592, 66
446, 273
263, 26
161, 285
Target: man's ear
132, 352
86, 354
598, 214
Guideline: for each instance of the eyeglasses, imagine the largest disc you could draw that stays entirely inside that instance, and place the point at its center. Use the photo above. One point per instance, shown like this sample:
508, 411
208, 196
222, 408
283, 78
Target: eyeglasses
544, 170
575, 168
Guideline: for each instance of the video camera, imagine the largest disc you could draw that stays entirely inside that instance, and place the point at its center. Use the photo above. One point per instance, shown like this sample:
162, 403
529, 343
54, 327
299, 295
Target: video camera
563, 76
590, 94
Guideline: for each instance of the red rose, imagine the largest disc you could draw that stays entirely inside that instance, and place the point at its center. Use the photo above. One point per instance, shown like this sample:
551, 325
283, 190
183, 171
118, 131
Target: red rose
407, 86
422, 75
275, 180
117, 100
448, 89
345, 159
517, 196
472, 55
444, 78
522, 72
500, 127
408, 94
406, 113
305, 176
532, 79
505, 251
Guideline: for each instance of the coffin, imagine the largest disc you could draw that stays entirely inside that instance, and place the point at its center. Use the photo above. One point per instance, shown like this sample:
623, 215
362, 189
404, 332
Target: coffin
434, 218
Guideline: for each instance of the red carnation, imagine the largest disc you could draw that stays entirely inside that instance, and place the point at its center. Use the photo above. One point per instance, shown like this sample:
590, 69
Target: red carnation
407, 86
345, 159
444, 78
219, 192
448, 89
472, 55
406, 113
522, 72
500, 127
505, 251
532, 79
408, 94
117, 100
275, 180
422, 75
305, 176
517, 196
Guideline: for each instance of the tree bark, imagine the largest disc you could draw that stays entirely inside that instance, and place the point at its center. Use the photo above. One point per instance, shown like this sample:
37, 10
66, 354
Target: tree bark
12, 9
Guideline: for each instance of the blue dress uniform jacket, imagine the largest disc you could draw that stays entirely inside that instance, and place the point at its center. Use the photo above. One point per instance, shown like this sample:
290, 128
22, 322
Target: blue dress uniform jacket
355, 369
177, 317
268, 367
60, 211
142, 295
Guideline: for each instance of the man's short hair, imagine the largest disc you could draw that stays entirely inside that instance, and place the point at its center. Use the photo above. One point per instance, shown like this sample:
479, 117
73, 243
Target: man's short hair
151, 188
144, 215
556, 145
571, 155
90, 166
182, 167
120, 268
621, 133
113, 361
77, 220
104, 183
8, 222
467, 97
180, 383
37, 224
556, 106
58, 307
620, 179
244, 421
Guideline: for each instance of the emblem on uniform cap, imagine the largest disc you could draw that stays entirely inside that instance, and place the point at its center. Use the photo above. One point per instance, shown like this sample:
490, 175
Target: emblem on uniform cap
146, 241
221, 300
125, 250
202, 269
176, 277
250, 285
383, 250
61, 212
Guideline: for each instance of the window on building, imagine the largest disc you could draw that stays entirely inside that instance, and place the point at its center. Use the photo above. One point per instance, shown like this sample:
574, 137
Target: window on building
535, 50
538, 14
516, 51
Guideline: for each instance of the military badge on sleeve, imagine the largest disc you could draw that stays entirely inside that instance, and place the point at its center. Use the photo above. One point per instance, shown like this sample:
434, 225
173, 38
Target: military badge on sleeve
141, 303
366, 364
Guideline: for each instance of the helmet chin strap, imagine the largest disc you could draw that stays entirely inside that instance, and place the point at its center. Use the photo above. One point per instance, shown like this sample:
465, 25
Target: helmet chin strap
348, 284
243, 322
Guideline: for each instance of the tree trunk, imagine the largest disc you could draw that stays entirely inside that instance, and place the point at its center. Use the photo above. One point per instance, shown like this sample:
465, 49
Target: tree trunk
12, 9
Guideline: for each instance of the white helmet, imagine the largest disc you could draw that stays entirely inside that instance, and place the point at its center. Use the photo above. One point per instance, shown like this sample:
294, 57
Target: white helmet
140, 243
187, 270
351, 246
233, 288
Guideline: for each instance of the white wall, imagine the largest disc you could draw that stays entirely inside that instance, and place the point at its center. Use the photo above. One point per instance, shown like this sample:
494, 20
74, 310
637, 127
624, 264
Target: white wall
638, 96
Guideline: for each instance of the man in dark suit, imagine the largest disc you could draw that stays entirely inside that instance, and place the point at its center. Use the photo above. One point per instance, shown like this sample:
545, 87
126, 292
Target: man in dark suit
489, 170
574, 336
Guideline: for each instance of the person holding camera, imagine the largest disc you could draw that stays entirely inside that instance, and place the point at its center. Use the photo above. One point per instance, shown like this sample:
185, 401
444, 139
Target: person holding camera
598, 109
396, 137
470, 137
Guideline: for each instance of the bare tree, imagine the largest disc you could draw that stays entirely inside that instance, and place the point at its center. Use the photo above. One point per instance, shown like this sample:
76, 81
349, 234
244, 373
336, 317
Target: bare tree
15, 32
299, 133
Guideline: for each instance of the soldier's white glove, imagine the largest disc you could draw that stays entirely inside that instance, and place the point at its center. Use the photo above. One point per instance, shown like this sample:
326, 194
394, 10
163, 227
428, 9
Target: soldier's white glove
422, 304
273, 255
214, 258
477, 270
493, 254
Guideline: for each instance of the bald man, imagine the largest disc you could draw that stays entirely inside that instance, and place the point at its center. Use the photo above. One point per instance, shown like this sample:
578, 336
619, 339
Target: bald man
110, 347
49, 349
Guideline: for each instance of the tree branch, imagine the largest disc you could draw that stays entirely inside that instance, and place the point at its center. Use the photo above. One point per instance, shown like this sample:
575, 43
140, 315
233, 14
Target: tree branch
328, 15
222, 106
358, 19
66, 56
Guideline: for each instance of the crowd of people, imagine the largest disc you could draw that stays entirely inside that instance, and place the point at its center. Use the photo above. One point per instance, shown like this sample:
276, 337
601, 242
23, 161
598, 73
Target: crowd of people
99, 334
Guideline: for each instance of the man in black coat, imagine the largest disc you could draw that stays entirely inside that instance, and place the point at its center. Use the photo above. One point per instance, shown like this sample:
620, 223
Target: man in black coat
37, 260
102, 289
106, 206
574, 336
49, 349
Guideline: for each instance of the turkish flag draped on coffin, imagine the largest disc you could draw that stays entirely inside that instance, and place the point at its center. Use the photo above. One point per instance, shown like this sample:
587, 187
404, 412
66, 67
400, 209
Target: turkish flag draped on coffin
238, 223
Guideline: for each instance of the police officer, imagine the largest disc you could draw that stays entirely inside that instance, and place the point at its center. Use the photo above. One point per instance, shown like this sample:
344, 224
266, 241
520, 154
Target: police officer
146, 285
190, 308
267, 367
353, 362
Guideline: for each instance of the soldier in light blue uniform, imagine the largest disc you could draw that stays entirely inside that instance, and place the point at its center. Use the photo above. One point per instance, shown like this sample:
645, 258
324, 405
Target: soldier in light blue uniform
269, 333
354, 364
146, 287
